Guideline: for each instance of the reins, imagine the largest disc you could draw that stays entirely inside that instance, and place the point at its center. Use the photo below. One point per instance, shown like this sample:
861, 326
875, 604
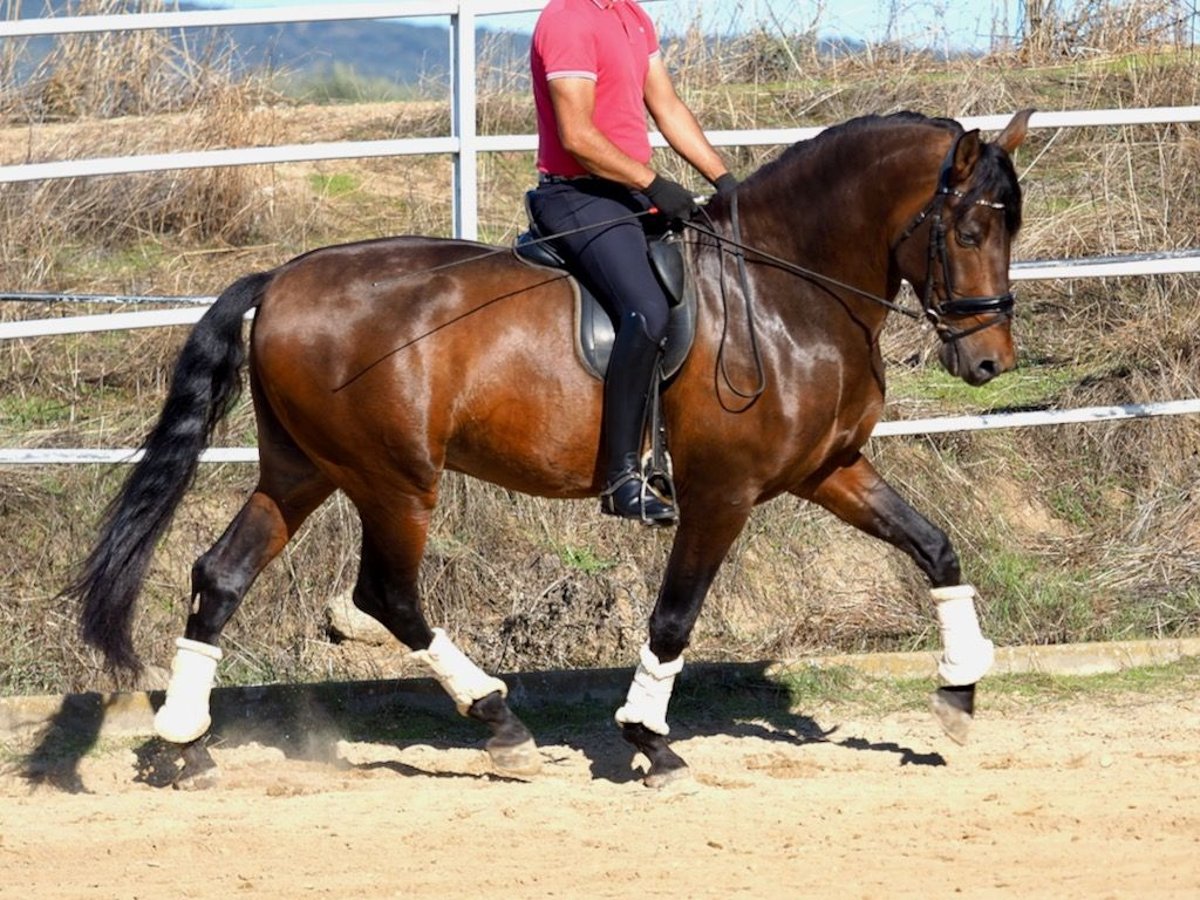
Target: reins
932, 311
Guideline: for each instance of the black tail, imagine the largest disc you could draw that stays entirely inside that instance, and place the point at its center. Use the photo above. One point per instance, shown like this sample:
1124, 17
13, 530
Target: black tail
205, 385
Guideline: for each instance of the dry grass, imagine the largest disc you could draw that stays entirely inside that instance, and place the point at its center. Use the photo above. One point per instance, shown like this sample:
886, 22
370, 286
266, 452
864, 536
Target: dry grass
1073, 532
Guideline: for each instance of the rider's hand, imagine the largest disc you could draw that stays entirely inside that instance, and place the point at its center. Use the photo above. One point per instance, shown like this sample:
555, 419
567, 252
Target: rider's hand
726, 184
671, 198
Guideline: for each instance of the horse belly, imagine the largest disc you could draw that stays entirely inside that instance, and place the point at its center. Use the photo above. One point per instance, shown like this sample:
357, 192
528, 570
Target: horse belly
536, 436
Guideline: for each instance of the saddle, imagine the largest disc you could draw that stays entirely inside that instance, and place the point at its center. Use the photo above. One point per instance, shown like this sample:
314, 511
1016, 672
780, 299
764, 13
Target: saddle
594, 332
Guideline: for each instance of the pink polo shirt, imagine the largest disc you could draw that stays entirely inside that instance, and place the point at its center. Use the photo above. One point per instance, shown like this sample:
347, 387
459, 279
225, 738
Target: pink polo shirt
610, 42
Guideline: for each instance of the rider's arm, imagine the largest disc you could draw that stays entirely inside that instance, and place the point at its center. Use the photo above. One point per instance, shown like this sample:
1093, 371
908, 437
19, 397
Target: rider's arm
677, 123
574, 101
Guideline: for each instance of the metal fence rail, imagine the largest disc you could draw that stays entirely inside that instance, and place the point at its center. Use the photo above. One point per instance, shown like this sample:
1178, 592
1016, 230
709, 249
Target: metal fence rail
464, 145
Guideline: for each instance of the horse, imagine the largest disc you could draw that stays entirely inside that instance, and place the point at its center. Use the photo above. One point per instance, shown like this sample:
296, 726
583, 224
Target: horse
375, 366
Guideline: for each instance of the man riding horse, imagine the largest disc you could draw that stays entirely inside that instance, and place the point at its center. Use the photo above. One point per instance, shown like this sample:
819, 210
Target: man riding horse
596, 70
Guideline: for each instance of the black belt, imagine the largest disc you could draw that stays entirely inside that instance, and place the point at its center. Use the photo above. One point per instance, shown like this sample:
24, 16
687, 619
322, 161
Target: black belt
544, 178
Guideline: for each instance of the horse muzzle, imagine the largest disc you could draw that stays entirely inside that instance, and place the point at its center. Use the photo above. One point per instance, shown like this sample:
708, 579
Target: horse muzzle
979, 358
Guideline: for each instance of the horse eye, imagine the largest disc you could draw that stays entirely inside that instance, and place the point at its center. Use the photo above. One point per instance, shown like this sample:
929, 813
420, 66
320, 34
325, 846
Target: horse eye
967, 237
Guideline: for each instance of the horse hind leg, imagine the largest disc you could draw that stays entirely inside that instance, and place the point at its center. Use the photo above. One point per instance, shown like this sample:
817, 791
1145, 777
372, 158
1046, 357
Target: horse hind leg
387, 590
858, 495
220, 579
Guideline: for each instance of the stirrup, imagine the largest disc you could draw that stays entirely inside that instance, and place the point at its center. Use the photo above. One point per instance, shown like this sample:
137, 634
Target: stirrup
645, 504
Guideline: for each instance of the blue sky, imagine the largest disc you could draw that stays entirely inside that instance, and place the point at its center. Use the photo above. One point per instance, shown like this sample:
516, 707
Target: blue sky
937, 24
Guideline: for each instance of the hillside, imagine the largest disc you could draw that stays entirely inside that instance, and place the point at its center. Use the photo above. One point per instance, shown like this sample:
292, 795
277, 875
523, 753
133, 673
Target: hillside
397, 51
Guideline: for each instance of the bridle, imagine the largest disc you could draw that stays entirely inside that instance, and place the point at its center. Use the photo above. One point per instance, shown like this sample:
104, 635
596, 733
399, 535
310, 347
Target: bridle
1000, 306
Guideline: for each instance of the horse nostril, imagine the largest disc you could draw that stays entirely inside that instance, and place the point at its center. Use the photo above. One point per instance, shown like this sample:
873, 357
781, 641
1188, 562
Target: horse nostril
987, 370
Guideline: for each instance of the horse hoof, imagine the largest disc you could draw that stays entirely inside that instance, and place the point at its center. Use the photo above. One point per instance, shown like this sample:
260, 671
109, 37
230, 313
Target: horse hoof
663, 777
198, 781
952, 715
521, 759
199, 772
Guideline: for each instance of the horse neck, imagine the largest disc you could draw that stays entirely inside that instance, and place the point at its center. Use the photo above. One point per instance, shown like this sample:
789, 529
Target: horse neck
834, 208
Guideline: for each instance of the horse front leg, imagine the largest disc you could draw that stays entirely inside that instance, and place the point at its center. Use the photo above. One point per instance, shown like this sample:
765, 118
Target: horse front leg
704, 536
858, 495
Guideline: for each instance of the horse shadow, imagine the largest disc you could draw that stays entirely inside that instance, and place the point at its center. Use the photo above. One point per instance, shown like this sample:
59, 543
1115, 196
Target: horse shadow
718, 700
572, 709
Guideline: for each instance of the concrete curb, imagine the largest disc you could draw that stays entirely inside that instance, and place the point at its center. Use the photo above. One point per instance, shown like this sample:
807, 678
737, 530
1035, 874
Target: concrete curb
124, 715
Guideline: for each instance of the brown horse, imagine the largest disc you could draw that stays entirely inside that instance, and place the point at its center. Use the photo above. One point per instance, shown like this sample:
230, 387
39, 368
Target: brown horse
375, 366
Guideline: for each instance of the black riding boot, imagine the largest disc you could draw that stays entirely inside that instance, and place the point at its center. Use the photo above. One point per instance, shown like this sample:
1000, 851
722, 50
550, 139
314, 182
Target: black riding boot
626, 388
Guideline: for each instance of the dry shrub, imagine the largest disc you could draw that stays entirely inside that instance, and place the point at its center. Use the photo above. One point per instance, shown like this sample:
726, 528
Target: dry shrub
1072, 532
105, 75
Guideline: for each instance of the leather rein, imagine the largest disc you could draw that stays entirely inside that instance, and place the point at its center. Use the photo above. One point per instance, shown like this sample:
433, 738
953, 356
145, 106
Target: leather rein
933, 310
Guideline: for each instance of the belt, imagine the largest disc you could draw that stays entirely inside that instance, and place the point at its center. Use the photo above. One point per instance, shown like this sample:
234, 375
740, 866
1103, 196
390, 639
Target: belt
544, 178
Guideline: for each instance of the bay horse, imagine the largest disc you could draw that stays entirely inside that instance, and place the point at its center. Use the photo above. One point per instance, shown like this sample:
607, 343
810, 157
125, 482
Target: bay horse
375, 366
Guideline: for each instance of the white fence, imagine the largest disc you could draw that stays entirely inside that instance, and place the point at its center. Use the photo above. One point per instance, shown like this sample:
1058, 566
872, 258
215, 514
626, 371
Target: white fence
465, 145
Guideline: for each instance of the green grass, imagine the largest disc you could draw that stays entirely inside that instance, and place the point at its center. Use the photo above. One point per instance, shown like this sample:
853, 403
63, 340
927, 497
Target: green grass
336, 185
1032, 387
583, 559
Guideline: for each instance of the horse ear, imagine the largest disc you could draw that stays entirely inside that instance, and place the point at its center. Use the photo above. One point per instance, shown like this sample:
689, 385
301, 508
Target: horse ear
966, 154
1014, 132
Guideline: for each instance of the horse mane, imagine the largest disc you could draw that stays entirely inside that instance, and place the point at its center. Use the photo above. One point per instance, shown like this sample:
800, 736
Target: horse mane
994, 178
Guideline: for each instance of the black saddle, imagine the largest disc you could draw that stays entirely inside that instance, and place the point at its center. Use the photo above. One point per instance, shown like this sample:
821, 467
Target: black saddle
594, 333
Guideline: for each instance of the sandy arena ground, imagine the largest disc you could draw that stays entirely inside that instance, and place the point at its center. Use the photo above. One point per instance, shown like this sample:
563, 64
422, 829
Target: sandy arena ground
1072, 798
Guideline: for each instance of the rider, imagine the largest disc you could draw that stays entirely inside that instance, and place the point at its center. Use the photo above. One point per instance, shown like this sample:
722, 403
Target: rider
597, 69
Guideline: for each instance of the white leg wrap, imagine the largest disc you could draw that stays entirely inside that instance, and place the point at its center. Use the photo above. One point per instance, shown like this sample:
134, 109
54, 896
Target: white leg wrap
464, 681
646, 703
184, 715
966, 654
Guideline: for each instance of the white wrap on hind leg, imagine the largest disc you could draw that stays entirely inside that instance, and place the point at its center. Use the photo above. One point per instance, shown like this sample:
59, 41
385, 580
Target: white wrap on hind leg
184, 715
650, 692
464, 681
966, 654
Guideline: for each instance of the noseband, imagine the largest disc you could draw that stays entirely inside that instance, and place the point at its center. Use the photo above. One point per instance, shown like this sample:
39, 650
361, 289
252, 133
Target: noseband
999, 305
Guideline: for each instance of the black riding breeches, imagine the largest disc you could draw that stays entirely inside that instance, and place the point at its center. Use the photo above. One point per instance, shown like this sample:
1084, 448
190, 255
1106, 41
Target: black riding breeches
600, 235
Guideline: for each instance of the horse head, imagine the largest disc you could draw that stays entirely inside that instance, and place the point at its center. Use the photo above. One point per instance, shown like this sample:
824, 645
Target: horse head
956, 253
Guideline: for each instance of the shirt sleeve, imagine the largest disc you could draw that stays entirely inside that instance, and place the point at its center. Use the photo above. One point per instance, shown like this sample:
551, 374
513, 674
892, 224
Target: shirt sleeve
566, 47
652, 45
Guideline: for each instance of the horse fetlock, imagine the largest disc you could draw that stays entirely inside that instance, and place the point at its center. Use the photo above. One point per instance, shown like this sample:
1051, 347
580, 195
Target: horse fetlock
966, 654
666, 765
184, 715
650, 692
464, 681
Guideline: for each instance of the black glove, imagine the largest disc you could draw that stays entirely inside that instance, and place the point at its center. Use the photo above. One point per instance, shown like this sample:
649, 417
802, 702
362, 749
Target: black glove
671, 198
726, 184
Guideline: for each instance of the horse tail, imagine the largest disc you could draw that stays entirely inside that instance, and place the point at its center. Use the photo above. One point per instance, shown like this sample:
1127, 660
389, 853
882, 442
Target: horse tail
204, 387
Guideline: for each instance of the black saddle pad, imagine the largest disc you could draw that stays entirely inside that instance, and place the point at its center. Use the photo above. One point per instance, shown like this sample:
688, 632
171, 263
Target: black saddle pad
594, 332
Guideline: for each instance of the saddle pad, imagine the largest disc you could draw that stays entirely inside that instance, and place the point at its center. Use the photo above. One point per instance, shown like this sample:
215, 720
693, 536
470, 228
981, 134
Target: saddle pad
594, 331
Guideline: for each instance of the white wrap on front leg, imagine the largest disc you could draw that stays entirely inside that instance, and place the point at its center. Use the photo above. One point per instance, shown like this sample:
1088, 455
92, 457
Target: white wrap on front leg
184, 715
464, 681
966, 654
650, 692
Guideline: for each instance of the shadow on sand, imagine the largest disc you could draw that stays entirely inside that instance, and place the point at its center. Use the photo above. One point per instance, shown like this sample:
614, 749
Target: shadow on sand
573, 709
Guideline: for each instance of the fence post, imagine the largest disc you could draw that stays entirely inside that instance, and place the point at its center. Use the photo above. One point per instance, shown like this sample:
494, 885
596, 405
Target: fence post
462, 72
